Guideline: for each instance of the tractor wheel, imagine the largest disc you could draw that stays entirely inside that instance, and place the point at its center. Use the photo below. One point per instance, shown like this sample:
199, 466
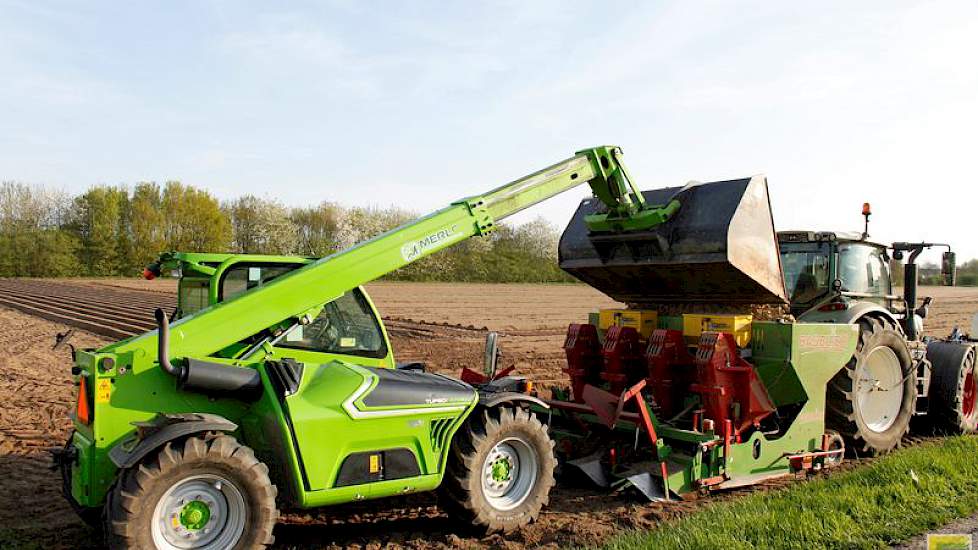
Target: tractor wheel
203, 492
500, 470
871, 400
952, 388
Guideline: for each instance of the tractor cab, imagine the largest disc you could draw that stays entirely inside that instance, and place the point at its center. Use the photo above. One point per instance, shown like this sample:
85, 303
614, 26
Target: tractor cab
345, 327
205, 279
823, 271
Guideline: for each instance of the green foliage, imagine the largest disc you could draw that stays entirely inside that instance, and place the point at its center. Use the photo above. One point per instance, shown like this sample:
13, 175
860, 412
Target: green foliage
871, 507
116, 231
193, 220
33, 241
968, 273
99, 225
261, 226
146, 226
317, 228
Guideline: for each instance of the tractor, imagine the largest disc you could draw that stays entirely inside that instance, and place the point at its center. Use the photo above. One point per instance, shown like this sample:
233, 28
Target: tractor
895, 373
744, 354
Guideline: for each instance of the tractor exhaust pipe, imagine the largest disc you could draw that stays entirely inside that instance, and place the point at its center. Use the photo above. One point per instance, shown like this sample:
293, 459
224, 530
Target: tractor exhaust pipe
204, 377
163, 348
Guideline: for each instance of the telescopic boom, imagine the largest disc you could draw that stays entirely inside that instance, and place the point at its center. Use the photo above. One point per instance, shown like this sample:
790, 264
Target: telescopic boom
304, 291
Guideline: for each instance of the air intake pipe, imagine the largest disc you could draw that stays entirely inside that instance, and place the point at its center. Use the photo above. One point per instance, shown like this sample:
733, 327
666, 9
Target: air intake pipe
204, 377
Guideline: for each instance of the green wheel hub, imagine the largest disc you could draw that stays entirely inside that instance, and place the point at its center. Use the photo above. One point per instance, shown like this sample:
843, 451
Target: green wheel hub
502, 469
204, 511
509, 473
195, 515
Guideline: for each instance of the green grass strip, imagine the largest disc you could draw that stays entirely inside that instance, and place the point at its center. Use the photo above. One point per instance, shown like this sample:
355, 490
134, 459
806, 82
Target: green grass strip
867, 507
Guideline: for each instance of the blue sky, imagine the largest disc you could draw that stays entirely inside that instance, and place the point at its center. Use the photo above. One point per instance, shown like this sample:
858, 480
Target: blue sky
418, 103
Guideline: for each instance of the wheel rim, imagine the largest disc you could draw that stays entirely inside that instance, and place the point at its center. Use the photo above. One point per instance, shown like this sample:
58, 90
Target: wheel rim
880, 389
968, 399
509, 473
205, 511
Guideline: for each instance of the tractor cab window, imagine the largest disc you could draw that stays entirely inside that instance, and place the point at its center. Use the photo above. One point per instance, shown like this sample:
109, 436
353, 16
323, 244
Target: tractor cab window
806, 270
862, 268
192, 295
240, 278
345, 326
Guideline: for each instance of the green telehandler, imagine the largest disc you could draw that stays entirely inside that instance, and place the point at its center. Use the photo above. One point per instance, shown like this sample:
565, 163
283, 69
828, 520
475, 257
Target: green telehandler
275, 387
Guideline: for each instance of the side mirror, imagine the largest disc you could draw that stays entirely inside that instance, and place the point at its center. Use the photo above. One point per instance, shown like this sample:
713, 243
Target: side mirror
948, 269
491, 356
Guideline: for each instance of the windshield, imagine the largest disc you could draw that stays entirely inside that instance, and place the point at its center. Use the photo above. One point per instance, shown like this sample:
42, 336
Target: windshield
806, 270
346, 325
863, 268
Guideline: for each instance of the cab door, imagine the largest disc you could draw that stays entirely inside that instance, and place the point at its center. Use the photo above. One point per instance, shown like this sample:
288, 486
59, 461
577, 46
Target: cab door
360, 425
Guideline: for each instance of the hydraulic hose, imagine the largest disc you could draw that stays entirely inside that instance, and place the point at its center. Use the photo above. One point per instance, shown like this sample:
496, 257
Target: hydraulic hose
163, 350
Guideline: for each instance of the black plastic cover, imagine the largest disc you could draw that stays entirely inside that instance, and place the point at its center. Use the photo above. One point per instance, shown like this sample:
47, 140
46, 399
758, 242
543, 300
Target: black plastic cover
409, 387
219, 379
389, 464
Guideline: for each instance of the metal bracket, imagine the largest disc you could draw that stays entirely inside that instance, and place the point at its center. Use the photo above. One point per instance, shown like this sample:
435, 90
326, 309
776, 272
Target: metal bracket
484, 223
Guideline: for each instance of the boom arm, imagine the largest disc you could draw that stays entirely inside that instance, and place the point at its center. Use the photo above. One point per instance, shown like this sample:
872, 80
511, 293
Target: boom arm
303, 291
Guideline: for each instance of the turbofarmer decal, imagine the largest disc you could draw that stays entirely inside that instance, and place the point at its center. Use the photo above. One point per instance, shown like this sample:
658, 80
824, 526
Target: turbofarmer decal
415, 249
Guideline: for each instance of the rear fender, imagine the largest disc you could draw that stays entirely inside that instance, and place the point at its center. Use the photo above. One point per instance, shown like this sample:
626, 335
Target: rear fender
162, 429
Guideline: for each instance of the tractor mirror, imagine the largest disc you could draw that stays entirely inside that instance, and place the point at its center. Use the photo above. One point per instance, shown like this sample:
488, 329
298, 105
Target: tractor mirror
948, 269
492, 355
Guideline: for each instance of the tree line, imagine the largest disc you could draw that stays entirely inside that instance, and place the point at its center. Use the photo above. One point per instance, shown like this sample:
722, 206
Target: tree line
118, 230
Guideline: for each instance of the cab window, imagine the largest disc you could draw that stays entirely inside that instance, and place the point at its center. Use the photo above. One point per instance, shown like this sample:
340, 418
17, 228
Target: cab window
345, 326
240, 278
806, 270
863, 268
192, 295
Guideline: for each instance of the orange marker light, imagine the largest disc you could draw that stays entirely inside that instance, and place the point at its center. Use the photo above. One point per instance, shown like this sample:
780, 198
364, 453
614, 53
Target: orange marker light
866, 209
82, 411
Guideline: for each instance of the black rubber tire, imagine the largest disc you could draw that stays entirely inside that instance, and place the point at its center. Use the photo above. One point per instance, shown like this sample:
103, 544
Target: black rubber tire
461, 494
842, 413
951, 364
132, 502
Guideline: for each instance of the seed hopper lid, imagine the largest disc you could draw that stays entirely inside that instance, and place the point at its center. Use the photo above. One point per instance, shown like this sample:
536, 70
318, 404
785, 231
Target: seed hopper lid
720, 247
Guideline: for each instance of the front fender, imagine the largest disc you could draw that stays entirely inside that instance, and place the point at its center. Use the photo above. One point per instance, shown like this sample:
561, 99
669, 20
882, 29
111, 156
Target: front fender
489, 399
850, 315
162, 429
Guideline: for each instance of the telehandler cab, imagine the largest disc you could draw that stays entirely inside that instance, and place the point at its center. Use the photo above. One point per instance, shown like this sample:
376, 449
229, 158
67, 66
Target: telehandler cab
287, 395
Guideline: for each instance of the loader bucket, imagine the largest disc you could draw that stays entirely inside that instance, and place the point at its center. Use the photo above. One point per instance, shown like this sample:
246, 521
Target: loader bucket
719, 248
